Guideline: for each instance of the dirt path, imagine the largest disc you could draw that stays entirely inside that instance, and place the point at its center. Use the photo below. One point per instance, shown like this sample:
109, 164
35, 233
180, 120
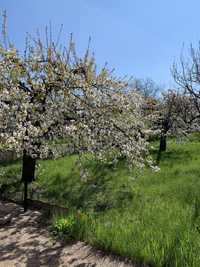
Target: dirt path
25, 242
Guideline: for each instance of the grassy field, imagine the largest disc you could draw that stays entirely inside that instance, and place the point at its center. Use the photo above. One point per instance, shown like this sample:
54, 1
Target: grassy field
154, 218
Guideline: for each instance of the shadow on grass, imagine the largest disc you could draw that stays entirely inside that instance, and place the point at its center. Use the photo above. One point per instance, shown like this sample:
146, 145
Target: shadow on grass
171, 156
9, 163
103, 188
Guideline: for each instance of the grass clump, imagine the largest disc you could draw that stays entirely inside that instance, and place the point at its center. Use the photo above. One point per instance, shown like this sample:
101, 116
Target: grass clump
73, 226
65, 227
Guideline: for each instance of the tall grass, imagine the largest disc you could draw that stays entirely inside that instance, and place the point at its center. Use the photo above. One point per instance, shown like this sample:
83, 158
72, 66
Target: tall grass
160, 222
154, 218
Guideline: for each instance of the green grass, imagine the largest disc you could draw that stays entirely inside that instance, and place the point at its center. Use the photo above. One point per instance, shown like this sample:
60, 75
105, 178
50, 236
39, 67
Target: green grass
154, 218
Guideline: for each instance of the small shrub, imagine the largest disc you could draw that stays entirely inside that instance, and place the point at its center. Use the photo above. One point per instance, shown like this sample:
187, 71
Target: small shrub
73, 226
65, 227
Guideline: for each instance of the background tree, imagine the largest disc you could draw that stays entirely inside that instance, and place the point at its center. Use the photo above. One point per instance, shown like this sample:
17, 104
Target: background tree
173, 115
49, 94
147, 88
186, 74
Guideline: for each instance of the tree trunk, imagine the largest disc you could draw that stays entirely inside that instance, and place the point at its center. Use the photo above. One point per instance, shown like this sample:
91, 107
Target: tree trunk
163, 143
25, 195
28, 175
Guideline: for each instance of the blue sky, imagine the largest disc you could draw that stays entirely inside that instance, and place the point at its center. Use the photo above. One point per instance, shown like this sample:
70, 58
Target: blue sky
136, 37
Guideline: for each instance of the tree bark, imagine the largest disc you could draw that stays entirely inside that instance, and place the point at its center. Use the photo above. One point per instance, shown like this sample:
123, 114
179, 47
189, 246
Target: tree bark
28, 175
163, 143
25, 195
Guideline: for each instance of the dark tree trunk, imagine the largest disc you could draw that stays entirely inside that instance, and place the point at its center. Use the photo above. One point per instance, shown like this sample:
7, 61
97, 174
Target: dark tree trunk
25, 195
28, 175
163, 143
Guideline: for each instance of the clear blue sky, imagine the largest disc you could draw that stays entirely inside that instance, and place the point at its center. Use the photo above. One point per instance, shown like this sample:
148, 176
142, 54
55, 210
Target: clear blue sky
136, 37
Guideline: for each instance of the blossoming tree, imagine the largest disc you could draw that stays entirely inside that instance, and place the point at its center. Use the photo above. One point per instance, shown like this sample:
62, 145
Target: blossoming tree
174, 114
50, 94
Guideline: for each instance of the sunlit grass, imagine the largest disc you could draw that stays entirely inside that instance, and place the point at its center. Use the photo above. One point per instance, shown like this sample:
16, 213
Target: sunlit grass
154, 218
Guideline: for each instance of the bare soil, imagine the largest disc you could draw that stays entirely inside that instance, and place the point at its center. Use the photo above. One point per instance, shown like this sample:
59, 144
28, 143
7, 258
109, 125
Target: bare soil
25, 241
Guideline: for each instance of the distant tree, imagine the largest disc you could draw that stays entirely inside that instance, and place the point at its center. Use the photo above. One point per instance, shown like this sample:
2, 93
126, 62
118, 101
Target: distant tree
50, 94
147, 87
172, 115
186, 74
